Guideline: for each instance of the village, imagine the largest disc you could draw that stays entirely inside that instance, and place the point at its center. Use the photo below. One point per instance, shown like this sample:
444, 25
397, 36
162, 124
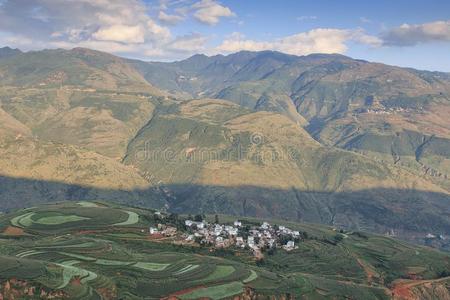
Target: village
255, 237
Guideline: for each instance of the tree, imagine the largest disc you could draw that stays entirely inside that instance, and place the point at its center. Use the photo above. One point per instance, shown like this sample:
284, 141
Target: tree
216, 219
304, 235
272, 251
198, 218
173, 217
338, 238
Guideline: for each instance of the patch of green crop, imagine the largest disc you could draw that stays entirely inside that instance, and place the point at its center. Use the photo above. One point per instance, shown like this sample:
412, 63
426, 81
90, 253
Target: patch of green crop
219, 273
133, 218
29, 253
82, 245
216, 292
23, 220
150, 266
57, 220
87, 204
251, 277
70, 271
78, 256
107, 262
186, 269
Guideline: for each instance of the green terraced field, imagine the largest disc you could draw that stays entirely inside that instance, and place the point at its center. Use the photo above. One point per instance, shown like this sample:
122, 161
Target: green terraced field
216, 292
58, 220
133, 218
105, 260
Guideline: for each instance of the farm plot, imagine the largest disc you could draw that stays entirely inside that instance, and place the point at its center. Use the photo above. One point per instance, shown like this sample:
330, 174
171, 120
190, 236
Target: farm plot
30, 218
29, 253
80, 216
81, 245
57, 220
215, 292
150, 266
20, 268
23, 220
70, 271
87, 204
251, 277
133, 218
186, 269
220, 272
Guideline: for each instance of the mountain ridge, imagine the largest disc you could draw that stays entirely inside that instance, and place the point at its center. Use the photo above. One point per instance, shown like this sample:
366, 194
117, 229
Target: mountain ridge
318, 128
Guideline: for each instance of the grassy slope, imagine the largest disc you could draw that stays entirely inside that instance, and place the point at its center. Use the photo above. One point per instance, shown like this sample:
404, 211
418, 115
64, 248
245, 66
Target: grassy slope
332, 93
358, 265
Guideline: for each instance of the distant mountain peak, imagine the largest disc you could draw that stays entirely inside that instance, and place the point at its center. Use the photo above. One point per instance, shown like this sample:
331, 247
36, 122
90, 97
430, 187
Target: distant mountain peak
8, 52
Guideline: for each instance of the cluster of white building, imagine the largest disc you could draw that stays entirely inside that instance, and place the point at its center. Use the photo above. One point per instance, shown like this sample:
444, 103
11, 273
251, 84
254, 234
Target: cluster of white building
255, 237
387, 111
435, 236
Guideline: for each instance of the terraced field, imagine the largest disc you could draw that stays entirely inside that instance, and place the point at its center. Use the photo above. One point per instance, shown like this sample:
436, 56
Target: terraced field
90, 250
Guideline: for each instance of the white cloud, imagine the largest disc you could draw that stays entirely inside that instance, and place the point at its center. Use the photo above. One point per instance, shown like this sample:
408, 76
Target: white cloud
409, 35
210, 11
129, 27
320, 40
361, 37
159, 32
193, 43
125, 21
169, 19
120, 33
118, 26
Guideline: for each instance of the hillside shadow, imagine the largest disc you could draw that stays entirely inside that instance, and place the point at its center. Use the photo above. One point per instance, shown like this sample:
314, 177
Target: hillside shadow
407, 212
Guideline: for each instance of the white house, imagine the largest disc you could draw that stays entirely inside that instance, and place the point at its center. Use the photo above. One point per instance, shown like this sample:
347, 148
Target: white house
265, 225
430, 236
237, 223
188, 223
153, 230
289, 246
217, 230
233, 231
220, 241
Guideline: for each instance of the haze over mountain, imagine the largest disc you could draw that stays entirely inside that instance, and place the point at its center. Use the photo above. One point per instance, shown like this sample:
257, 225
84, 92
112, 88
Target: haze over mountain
318, 138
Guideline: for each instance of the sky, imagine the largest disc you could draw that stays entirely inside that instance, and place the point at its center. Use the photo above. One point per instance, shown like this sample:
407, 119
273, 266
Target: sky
408, 33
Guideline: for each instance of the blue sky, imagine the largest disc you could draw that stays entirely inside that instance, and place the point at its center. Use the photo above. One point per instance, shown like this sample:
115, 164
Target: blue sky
399, 32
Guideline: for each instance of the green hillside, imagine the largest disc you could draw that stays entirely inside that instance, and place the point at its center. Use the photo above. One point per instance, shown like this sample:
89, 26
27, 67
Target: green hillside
214, 156
95, 250
352, 104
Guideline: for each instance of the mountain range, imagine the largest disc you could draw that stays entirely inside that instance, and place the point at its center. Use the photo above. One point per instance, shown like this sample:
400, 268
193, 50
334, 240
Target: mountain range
318, 138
